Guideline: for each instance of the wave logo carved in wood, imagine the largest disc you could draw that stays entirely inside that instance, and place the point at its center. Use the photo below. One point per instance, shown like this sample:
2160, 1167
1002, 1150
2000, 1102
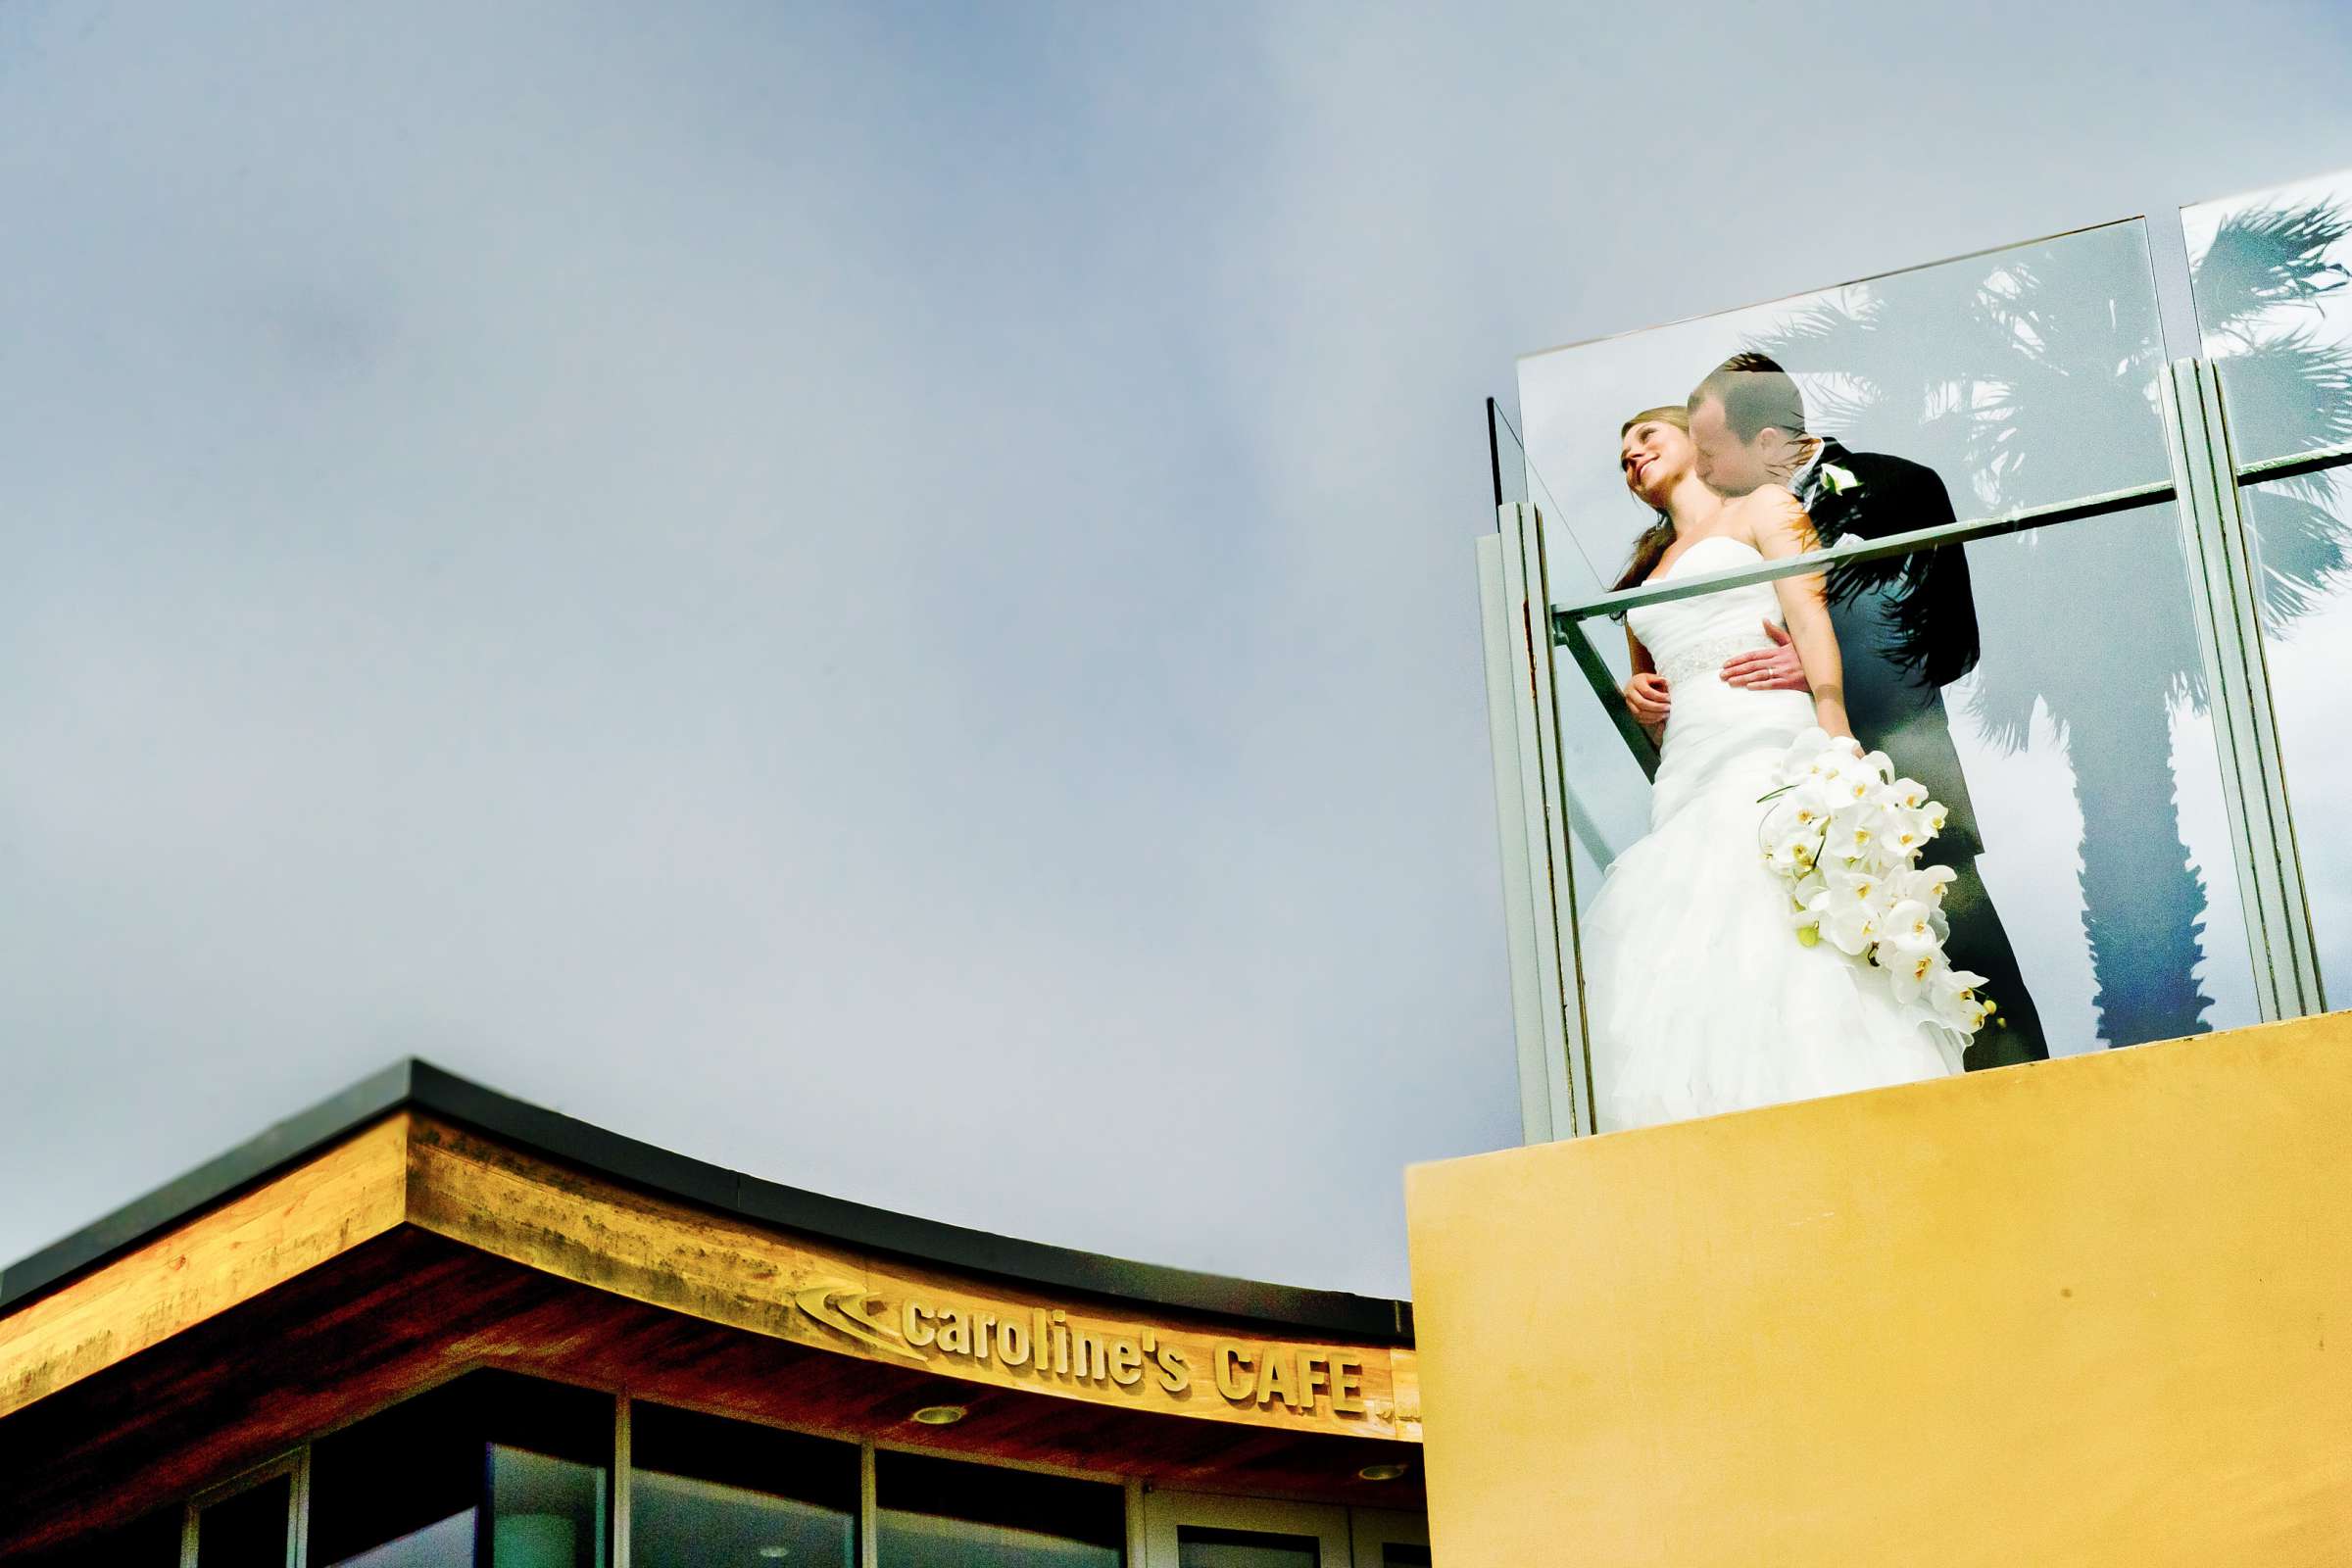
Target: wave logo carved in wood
844, 1309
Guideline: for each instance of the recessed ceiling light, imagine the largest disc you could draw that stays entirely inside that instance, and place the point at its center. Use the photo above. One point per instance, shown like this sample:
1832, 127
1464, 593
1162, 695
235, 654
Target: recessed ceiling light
1383, 1472
941, 1415
776, 1553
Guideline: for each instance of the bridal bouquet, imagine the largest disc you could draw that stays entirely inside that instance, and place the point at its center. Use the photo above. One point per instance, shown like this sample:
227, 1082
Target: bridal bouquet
1843, 833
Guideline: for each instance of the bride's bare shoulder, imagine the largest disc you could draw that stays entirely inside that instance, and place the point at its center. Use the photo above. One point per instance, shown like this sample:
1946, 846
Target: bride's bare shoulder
1771, 516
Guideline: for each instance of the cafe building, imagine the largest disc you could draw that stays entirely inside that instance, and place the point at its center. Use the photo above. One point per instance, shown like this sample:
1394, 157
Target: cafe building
425, 1324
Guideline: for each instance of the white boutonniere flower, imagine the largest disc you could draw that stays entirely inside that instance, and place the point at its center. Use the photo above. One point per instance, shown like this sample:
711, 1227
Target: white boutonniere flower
1837, 480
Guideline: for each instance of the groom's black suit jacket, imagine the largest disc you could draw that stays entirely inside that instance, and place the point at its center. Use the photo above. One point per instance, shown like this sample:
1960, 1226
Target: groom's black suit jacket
1906, 626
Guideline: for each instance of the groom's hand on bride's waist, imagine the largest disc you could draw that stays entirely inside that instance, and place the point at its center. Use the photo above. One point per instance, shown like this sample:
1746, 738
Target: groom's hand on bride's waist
1775, 669
1646, 699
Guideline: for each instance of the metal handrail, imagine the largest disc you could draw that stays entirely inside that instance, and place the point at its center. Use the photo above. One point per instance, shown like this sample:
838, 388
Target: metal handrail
2294, 464
1854, 548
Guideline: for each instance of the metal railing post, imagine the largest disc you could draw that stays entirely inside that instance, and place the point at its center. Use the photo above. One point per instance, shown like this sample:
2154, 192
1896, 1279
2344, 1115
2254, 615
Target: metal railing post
2227, 593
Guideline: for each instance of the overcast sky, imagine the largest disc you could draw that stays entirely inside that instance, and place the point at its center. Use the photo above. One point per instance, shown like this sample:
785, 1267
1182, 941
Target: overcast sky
883, 595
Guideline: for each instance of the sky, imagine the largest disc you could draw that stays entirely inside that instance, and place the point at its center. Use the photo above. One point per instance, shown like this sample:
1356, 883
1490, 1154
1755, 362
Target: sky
882, 596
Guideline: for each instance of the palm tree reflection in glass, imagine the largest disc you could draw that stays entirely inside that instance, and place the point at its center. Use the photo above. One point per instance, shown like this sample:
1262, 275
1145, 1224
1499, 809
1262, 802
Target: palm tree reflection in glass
2042, 390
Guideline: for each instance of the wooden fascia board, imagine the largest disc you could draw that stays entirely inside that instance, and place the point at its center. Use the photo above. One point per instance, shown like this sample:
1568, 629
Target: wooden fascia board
415, 1169
349, 1193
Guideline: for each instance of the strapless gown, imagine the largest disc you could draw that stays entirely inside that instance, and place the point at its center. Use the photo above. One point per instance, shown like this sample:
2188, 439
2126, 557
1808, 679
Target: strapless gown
1699, 998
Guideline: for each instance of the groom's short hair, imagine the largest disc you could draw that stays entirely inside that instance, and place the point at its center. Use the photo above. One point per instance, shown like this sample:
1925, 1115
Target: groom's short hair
1757, 395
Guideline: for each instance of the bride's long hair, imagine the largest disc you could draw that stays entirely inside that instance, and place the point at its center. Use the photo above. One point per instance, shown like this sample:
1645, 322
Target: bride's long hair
1660, 535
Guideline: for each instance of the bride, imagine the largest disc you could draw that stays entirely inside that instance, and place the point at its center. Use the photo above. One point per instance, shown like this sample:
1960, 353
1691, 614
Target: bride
1700, 998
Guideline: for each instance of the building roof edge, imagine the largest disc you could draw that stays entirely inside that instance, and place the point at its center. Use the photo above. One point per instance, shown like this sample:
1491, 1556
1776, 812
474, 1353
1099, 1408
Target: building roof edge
413, 1084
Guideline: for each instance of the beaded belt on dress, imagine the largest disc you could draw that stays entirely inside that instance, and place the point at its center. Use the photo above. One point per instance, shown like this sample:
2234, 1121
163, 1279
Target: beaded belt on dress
1705, 659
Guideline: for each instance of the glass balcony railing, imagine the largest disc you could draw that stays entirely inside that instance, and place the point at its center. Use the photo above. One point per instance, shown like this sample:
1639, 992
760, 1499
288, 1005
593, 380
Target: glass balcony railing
2029, 619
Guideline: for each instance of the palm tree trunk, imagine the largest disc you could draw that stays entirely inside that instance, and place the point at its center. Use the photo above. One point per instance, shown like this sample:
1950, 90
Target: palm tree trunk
2143, 904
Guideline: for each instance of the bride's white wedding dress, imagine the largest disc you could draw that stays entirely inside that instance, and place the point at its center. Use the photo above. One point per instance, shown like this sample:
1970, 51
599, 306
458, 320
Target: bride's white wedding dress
1699, 996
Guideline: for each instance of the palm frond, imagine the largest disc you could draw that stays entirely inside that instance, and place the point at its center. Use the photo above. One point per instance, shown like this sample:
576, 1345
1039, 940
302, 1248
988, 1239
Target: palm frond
2267, 259
2305, 547
2290, 392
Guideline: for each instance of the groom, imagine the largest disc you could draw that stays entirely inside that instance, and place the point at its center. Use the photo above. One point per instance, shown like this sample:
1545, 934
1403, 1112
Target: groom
1906, 629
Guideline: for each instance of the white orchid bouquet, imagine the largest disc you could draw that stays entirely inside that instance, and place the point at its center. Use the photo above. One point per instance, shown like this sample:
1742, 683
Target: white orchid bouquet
1845, 834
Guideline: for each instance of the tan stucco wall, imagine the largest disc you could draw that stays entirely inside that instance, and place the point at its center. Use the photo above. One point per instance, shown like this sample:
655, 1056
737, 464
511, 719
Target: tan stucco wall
2087, 1312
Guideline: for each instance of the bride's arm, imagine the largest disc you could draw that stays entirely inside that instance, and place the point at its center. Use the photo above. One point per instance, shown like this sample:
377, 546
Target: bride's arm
1781, 530
1645, 692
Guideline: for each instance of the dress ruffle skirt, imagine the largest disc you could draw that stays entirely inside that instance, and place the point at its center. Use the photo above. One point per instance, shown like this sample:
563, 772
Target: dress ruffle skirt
1698, 994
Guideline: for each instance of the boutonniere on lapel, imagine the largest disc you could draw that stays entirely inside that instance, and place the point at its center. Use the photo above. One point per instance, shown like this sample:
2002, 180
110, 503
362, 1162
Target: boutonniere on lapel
1838, 481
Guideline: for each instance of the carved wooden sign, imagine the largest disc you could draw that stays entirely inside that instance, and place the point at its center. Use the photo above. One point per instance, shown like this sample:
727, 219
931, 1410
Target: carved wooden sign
730, 1270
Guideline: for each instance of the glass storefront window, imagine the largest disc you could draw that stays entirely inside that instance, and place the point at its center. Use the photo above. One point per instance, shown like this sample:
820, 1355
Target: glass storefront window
402, 1489
249, 1530
944, 1513
503, 1470
707, 1490
1200, 1547
544, 1511
506, 1470
444, 1543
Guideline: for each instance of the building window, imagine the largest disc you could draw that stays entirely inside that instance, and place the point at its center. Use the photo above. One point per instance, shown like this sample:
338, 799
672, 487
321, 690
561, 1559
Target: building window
705, 1490
506, 1471
544, 1511
941, 1513
248, 1530
1200, 1547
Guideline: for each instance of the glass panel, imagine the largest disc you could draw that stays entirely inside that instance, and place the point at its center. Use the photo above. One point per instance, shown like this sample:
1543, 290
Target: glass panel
2021, 379
705, 1490
2302, 536
941, 1513
445, 1543
2269, 273
2070, 743
2047, 686
400, 1489
1515, 475
1198, 1547
1508, 456
2082, 745
1394, 1555
545, 1512
248, 1530
405, 1488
